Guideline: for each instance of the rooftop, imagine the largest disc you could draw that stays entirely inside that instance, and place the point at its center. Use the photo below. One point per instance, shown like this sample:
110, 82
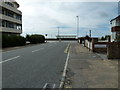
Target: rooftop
118, 17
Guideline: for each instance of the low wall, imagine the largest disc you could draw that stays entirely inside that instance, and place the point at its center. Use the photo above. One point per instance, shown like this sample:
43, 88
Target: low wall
56, 39
113, 50
100, 47
100, 50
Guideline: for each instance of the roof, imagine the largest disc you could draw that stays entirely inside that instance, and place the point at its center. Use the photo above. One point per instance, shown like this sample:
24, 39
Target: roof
14, 1
118, 17
17, 4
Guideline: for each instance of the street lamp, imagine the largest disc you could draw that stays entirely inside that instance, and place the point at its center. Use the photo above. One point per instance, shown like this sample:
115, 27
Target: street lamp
77, 26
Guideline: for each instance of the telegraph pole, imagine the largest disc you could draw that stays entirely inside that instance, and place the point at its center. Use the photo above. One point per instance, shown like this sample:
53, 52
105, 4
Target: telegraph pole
58, 31
90, 33
77, 26
89, 39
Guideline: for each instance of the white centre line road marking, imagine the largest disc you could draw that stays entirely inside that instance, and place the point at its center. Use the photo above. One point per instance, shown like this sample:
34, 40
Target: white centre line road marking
37, 50
9, 59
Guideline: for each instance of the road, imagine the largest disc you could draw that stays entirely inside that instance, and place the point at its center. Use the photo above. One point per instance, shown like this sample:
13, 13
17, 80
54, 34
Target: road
34, 66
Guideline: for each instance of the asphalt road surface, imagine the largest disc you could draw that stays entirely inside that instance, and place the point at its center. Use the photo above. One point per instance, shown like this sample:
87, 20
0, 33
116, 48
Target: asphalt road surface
34, 66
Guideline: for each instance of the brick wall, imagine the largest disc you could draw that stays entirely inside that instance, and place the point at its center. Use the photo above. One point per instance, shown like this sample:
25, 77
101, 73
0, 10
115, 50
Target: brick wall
113, 50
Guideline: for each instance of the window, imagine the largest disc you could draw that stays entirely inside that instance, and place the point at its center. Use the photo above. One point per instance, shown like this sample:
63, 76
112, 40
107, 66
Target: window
10, 14
0, 22
3, 11
19, 17
118, 22
3, 23
113, 23
118, 35
10, 25
19, 27
0, 10
10, 4
113, 35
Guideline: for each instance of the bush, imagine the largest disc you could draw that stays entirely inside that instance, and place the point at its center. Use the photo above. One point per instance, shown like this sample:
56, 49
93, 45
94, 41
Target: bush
34, 39
11, 41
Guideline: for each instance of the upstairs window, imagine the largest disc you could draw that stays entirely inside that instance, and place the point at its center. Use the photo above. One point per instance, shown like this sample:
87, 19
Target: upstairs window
118, 22
19, 27
0, 10
10, 24
113, 23
10, 4
10, 14
19, 17
0, 22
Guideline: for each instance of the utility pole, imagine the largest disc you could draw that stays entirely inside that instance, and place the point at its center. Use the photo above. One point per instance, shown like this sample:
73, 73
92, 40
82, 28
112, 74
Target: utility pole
58, 31
90, 33
59, 34
77, 26
89, 39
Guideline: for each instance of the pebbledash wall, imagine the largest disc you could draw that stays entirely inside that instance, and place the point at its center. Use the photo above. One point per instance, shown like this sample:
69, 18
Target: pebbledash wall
10, 18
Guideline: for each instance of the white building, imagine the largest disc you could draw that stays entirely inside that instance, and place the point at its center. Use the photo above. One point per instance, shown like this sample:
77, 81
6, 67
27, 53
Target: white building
10, 18
115, 28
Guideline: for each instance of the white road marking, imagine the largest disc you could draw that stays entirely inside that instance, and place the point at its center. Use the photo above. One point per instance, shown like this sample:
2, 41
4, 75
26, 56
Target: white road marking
66, 50
64, 72
45, 86
9, 59
54, 85
37, 50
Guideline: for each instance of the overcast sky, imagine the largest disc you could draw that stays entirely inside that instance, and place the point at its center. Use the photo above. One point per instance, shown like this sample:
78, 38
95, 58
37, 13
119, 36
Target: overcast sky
43, 17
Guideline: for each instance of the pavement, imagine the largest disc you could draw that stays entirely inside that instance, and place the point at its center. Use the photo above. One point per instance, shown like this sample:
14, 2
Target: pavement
90, 70
34, 66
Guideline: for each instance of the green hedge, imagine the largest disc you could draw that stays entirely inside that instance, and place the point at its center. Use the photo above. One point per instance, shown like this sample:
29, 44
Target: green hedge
34, 39
11, 41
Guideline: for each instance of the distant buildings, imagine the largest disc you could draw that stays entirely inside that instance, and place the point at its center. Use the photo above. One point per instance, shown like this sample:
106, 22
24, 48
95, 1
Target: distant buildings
115, 28
66, 36
10, 18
